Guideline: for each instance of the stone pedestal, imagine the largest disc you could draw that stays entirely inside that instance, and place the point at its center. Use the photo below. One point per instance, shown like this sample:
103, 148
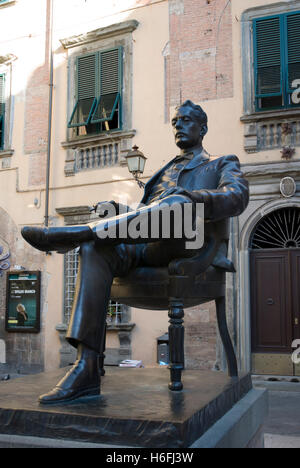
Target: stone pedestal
135, 409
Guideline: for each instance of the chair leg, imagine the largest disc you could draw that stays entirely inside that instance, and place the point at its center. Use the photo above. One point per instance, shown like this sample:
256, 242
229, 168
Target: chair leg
225, 337
176, 344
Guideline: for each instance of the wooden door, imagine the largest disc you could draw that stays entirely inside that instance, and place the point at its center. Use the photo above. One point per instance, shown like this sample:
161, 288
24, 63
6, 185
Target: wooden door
295, 281
271, 302
275, 310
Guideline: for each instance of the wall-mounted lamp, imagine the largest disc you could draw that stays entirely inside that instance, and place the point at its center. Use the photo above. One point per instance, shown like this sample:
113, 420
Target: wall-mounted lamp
136, 164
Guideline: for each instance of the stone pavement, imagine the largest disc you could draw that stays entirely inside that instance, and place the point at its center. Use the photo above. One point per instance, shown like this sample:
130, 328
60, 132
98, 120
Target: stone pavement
282, 427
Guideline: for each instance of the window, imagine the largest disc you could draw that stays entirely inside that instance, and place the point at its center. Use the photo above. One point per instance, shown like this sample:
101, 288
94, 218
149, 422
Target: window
98, 92
278, 230
276, 60
115, 310
2, 110
100, 85
70, 275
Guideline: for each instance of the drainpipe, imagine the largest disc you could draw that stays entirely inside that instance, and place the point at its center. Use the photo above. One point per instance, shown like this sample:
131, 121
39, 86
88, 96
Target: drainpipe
46, 220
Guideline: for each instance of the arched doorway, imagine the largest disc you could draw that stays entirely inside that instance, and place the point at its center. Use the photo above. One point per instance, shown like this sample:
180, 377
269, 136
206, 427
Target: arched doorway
275, 291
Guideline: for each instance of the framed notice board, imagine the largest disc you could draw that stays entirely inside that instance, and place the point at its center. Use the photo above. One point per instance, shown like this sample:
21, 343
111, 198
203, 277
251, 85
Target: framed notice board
23, 301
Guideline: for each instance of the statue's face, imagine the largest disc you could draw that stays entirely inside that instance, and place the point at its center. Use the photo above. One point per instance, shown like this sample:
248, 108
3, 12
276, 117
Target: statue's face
186, 128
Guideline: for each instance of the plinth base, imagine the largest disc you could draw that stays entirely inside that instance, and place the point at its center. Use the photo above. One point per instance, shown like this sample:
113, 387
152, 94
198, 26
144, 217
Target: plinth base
135, 408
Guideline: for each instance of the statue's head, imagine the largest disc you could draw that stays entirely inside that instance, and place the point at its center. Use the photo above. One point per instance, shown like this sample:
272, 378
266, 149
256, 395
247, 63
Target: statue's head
189, 125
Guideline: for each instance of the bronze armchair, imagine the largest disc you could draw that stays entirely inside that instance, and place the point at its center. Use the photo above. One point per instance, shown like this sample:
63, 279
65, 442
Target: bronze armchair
184, 283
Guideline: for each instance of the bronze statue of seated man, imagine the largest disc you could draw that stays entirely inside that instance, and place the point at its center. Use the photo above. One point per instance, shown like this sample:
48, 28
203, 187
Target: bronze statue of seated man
190, 178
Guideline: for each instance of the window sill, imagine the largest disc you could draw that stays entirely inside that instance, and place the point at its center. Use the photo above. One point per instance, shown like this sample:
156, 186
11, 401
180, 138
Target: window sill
263, 130
93, 140
97, 151
125, 327
274, 114
7, 152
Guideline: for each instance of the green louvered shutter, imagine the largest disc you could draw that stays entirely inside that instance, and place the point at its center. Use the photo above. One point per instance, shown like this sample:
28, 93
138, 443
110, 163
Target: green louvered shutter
267, 60
86, 85
293, 50
2, 109
109, 101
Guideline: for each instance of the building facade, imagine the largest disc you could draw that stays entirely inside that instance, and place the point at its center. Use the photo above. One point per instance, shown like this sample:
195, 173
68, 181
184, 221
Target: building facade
80, 85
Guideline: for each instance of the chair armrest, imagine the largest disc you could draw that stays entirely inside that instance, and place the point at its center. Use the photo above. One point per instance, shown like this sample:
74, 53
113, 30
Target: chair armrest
195, 265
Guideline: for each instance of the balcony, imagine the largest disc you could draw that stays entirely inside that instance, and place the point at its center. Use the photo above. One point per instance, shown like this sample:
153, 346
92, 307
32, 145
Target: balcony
271, 130
97, 151
95, 157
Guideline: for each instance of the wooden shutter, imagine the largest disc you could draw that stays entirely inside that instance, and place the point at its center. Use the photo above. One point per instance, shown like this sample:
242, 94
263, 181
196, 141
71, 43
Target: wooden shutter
267, 49
110, 74
86, 86
2, 94
293, 48
86, 77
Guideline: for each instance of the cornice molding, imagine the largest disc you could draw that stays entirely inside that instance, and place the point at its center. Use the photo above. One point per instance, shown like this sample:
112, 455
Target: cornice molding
6, 153
275, 169
7, 59
281, 114
73, 210
99, 34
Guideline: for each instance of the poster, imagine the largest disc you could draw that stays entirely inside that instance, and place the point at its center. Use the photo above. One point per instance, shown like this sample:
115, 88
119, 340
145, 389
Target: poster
23, 301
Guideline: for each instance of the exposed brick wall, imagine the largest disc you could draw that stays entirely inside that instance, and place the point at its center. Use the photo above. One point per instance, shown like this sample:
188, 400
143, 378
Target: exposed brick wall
200, 337
36, 110
36, 124
37, 96
37, 168
201, 65
200, 68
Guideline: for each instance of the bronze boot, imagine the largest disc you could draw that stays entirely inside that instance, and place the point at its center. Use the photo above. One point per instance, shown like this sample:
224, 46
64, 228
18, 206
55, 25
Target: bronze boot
59, 239
83, 379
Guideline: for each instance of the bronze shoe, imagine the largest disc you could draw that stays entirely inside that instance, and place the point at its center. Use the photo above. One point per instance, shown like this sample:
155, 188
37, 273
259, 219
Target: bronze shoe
60, 239
83, 379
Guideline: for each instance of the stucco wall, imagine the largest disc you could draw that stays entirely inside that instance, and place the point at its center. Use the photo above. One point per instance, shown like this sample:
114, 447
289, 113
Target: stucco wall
181, 49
